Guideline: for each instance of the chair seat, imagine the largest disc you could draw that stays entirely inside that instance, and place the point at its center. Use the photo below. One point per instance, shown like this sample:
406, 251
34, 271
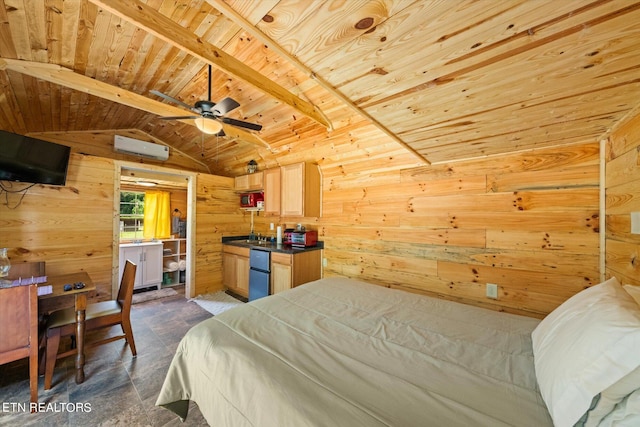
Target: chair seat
67, 316
105, 314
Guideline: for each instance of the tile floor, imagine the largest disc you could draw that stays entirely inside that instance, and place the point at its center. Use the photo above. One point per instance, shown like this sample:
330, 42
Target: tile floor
120, 389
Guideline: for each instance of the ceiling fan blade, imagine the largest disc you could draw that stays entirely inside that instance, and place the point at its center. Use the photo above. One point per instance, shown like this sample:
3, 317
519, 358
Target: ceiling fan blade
224, 106
180, 117
241, 124
169, 98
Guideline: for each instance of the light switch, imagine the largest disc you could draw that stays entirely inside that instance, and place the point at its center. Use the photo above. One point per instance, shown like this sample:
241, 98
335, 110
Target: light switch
492, 291
635, 222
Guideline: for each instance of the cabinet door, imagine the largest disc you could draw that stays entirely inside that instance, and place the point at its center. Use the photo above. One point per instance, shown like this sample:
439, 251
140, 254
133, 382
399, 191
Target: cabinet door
249, 182
152, 265
134, 254
293, 190
281, 271
241, 183
272, 192
242, 274
229, 268
280, 277
255, 181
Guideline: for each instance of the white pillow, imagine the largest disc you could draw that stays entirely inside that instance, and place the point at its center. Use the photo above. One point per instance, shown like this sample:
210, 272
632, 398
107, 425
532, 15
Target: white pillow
585, 346
625, 414
634, 291
612, 396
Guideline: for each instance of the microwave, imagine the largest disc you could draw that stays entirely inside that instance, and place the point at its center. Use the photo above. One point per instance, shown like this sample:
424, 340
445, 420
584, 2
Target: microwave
252, 200
303, 239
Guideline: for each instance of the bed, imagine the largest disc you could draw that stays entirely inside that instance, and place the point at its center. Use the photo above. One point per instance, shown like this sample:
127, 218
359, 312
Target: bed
340, 352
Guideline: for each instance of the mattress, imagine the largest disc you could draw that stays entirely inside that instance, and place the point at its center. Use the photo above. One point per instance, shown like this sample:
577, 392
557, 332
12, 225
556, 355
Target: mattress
339, 352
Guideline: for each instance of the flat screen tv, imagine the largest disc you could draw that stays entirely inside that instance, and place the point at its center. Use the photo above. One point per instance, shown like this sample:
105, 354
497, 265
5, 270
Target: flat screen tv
27, 159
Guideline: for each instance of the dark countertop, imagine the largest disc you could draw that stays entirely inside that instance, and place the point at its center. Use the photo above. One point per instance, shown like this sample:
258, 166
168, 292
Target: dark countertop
243, 242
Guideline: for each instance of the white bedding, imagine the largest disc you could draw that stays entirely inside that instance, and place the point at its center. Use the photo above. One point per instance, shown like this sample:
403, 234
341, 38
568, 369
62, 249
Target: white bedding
338, 352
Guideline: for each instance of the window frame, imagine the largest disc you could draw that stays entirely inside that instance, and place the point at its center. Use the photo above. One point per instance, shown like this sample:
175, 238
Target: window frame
131, 232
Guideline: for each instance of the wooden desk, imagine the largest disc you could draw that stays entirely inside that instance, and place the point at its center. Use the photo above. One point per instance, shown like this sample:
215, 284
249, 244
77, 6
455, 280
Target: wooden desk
58, 282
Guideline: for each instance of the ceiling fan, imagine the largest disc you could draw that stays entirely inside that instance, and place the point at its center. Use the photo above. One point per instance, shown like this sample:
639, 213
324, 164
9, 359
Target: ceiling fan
210, 116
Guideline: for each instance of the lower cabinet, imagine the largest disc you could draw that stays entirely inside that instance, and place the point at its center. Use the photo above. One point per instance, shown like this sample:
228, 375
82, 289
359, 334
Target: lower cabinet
287, 270
235, 269
148, 259
291, 270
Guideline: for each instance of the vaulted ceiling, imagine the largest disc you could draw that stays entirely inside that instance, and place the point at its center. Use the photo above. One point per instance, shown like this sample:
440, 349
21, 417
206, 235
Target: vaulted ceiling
444, 80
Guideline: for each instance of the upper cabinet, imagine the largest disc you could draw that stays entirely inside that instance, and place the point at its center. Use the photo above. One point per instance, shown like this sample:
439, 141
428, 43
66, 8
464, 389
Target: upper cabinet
249, 182
293, 190
300, 190
272, 192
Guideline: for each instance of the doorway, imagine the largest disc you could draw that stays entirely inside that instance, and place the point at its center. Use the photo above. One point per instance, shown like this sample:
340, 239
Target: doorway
132, 177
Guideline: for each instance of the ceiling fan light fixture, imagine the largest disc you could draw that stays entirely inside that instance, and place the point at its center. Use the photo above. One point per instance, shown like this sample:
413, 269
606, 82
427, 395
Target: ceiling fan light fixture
208, 126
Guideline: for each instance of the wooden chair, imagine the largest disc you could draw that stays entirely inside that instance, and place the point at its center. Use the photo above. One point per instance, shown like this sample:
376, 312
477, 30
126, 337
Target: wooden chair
98, 315
19, 329
26, 270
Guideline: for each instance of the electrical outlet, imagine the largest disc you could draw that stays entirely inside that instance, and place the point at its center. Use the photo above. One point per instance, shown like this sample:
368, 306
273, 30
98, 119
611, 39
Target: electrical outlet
492, 291
324, 262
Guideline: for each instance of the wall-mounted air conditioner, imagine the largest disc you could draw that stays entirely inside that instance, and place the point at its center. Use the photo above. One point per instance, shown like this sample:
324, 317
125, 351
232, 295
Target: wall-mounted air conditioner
122, 144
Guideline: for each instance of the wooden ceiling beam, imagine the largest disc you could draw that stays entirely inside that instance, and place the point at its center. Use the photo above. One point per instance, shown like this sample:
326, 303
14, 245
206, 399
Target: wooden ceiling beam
64, 77
153, 22
239, 20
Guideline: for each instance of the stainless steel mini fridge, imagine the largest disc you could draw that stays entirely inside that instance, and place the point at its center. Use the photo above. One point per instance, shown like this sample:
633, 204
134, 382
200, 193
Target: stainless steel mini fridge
259, 273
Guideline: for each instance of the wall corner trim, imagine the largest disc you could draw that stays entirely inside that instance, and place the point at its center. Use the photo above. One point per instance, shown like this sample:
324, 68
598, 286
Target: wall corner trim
603, 207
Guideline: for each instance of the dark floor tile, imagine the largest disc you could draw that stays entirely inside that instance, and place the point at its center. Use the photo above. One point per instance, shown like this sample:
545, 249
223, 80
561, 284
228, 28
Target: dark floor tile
119, 389
134, 416
147, 374
104, 405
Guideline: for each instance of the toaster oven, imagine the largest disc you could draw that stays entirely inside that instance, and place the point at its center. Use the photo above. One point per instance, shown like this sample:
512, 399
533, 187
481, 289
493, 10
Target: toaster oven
303, 239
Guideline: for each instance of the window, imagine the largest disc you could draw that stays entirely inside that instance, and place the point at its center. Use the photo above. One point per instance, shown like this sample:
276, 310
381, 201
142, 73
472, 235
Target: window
131, 215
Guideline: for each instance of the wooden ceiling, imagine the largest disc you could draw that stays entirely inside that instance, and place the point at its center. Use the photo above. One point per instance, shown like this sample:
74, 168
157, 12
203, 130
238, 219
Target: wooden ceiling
444, 80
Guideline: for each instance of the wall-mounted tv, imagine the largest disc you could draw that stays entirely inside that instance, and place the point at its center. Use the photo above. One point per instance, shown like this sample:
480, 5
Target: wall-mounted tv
27, 159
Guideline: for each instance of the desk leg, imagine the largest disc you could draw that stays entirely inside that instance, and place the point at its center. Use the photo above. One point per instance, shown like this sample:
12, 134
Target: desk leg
81, 306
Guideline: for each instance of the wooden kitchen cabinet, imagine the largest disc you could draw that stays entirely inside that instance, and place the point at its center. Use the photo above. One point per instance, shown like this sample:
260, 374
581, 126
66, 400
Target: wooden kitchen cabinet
300, 190
148, 259
291, 270
235, 269
297, 187
249, 182
272, 193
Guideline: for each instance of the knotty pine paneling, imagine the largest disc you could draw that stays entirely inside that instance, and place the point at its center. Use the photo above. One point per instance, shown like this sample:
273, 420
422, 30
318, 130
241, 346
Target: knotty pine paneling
100, 143
622, 198
528, 222
69, 227
217, 215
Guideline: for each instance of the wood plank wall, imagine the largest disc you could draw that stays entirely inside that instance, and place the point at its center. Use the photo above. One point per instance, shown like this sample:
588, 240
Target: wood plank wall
527, 222
217, 215
622, 198
100, 143
71, 227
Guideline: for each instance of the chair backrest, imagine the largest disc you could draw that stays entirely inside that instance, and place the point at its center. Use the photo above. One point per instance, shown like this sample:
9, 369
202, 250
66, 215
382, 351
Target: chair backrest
125, 293
18, 322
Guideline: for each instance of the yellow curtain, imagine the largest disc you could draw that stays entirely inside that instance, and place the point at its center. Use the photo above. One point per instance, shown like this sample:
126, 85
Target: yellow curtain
157, 215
